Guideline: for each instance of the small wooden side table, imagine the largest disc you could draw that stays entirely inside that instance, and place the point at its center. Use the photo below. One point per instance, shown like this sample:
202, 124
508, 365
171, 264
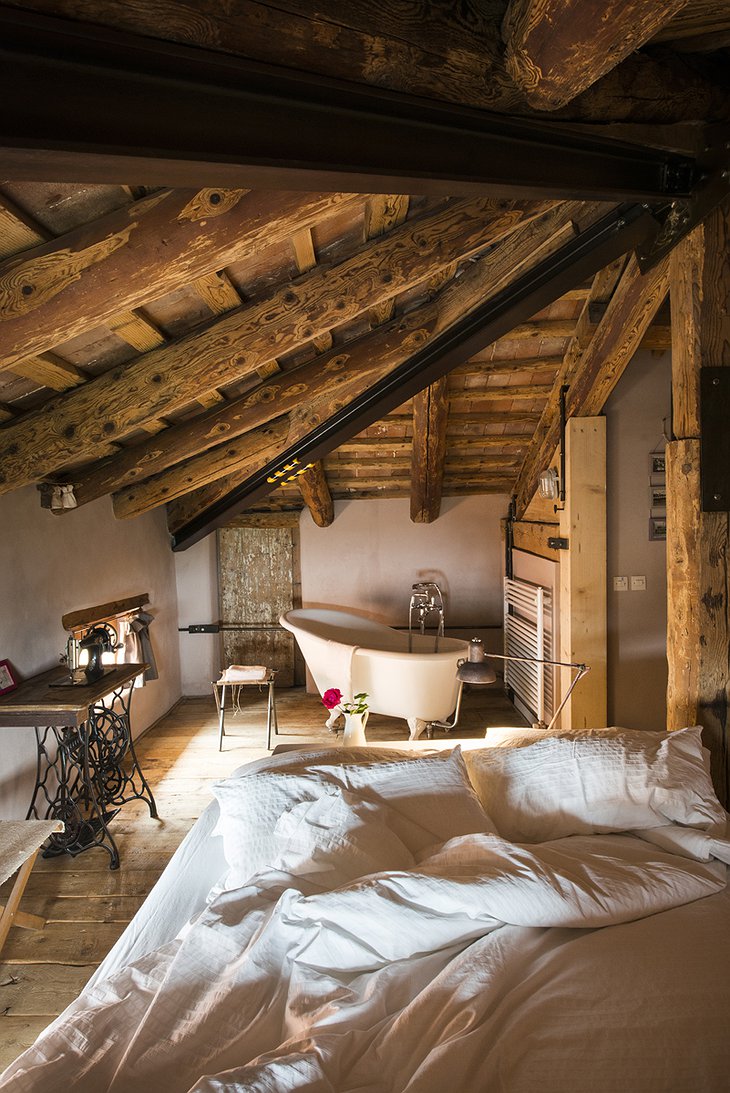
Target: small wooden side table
20, 841
219, 693
86, 766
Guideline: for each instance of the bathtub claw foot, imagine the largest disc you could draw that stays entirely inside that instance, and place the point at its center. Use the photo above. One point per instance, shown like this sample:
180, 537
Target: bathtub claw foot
416, 726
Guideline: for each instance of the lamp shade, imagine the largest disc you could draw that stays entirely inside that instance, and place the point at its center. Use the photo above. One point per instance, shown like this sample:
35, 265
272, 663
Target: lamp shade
476, 668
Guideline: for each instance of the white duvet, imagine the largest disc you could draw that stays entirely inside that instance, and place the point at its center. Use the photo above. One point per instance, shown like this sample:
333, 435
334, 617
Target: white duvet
484, 966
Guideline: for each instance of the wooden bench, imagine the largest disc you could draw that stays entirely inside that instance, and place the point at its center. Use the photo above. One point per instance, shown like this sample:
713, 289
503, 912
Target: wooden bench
20, 841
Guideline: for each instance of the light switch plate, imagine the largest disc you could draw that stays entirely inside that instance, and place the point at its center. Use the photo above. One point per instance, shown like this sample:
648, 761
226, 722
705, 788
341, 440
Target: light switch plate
620, 584
638, 584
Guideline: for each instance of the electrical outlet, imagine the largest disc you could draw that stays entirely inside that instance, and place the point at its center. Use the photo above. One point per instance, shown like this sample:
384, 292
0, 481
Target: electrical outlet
620, 584
638, 584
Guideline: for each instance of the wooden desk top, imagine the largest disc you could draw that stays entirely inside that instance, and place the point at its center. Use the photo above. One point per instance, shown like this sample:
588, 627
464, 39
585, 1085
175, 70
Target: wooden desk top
35, 702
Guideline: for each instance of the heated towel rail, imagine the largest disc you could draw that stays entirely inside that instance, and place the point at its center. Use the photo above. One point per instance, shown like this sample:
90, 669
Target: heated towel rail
528, 632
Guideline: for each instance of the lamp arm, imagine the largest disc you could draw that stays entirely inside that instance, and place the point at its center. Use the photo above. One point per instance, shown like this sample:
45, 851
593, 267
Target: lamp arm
534, 660
580, 670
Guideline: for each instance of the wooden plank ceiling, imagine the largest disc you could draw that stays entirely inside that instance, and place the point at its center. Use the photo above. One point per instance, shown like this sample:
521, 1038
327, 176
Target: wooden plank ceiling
160, 344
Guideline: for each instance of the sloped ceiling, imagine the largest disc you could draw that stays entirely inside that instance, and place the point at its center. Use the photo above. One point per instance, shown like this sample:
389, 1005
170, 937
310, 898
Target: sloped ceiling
162, 344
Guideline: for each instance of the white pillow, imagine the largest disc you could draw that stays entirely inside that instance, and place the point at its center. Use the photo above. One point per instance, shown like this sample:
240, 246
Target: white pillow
430, 800
431, 797
341, 835
589, 782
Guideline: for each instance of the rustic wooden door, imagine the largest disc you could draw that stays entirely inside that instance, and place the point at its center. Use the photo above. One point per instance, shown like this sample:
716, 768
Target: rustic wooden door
257, 580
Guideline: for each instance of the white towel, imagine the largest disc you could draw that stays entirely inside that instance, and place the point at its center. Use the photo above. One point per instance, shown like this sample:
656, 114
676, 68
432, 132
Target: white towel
244, 673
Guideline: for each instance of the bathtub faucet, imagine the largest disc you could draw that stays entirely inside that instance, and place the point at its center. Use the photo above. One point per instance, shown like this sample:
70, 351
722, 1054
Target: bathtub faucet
426, 600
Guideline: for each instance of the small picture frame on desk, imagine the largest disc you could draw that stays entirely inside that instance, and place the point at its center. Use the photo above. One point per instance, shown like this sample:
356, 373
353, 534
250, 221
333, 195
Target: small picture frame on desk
8, 682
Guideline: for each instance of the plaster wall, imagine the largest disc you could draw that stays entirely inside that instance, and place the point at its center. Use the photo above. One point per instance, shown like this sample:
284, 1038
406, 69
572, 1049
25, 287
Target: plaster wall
196, 571
372, 554
637, 621
367, 560
50, 565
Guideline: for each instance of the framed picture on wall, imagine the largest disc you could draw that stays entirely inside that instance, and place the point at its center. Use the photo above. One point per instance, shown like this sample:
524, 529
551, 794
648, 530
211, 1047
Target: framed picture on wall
657, 464
8, 682
658, 527
658, 500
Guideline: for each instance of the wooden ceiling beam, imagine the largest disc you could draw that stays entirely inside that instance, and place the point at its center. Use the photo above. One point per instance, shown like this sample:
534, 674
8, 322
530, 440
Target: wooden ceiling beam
602, 289
632, 308
18, 231
134, 328
383, 213
61, 288
430, 415
469, 314
454, 461
698, 26
555, 50
316, 495
50, 370
335, 380
357, 450
113, 404
388, 141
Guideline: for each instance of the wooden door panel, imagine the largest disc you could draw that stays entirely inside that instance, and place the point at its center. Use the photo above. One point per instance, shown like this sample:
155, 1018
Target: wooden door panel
256, 574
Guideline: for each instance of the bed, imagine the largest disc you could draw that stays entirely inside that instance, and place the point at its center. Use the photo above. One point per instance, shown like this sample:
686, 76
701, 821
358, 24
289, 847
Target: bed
548, 913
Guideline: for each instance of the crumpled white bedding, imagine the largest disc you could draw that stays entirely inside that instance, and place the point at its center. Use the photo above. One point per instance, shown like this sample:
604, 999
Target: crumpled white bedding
483, 966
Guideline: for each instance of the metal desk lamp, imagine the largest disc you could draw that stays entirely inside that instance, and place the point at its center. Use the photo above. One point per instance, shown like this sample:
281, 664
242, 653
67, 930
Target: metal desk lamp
477, 669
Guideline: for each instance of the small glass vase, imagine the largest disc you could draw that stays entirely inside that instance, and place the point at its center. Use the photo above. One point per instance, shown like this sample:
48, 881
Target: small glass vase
354, 735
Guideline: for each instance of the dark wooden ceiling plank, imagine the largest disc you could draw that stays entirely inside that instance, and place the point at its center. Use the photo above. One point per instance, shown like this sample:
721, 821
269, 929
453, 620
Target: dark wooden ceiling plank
164, 380
554, 50
77, 108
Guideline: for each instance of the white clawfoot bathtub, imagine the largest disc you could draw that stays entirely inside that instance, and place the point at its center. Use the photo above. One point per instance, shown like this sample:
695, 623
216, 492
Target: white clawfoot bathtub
355, 654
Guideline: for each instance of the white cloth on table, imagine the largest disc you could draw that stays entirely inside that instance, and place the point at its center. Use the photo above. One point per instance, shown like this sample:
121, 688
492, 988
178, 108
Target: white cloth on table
18, 840
244, 673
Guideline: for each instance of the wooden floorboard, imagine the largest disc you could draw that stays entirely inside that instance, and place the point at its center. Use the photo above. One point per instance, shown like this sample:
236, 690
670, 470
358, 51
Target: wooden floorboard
87, 905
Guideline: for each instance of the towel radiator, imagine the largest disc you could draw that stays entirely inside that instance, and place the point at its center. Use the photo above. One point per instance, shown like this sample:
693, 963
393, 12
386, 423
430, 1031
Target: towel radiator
528, 632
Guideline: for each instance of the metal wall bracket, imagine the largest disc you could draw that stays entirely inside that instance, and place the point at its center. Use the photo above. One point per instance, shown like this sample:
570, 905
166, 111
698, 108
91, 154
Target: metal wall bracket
557, 542
715, 439
682, 214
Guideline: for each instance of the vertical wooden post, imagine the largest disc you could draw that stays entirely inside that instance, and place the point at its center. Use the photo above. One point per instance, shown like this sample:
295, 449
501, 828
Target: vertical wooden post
583, 571
698, 574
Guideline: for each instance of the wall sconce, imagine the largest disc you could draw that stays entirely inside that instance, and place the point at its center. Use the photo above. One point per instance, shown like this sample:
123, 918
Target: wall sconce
549, 484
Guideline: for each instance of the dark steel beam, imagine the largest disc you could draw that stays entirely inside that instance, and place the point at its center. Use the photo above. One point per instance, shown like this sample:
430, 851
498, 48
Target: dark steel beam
88, 104
619, 231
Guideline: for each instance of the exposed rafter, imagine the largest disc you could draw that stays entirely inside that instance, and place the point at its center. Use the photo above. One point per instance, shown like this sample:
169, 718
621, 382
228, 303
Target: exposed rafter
337, 379
114, 404
430, 417
67, 112
522, 296
62, 288
556, 50
601, 365
316, 495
